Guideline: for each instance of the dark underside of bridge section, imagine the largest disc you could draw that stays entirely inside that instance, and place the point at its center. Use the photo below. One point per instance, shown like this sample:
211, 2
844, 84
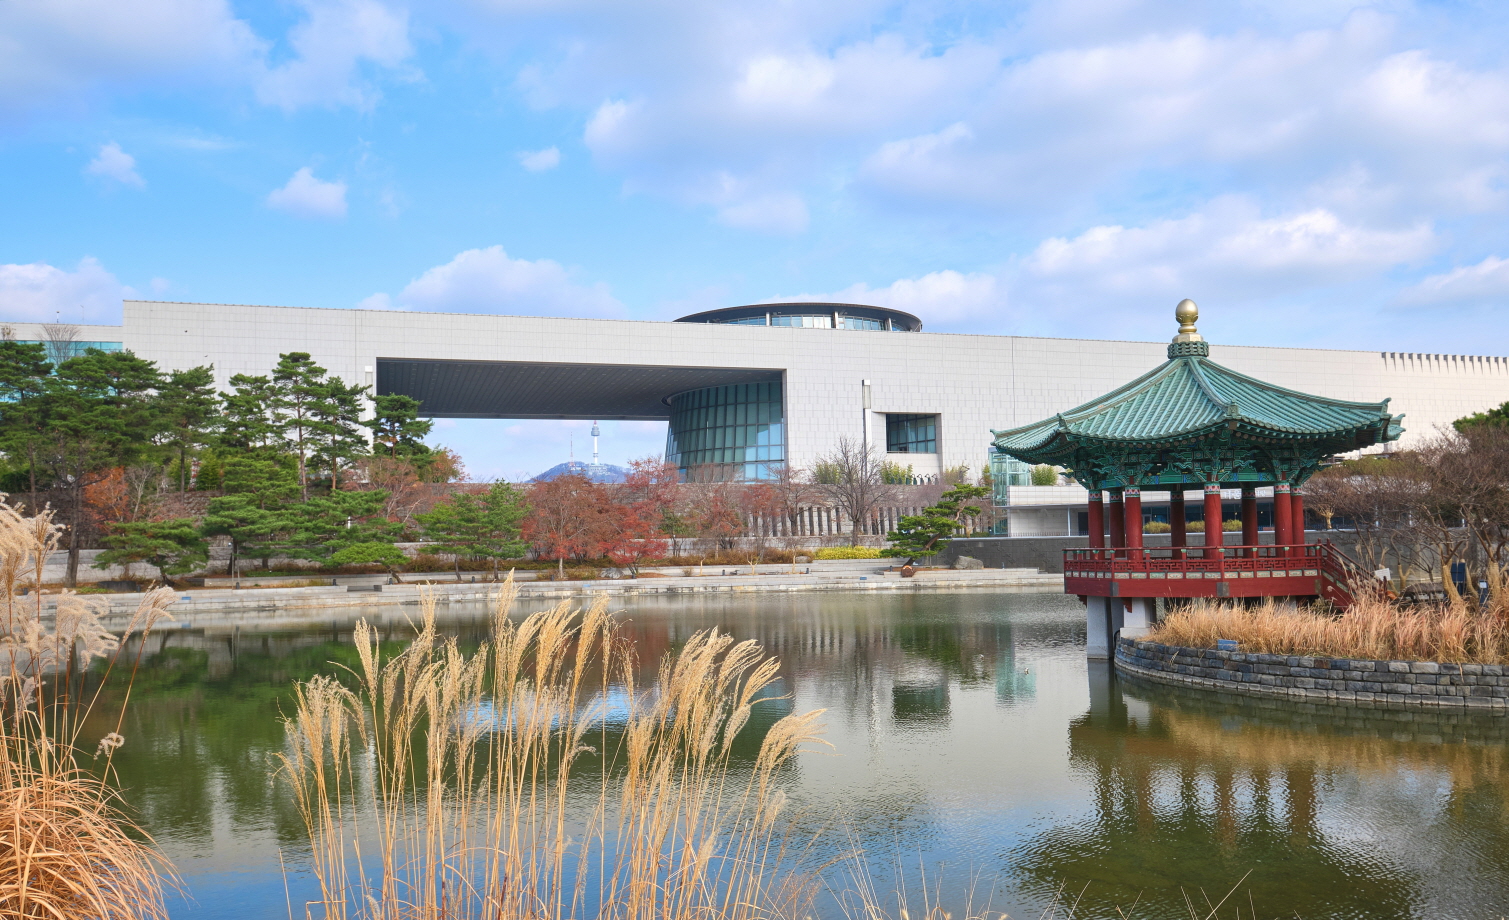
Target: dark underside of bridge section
522, 389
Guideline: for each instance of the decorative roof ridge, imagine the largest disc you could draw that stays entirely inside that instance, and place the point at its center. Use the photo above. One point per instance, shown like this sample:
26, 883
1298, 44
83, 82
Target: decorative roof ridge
1205, 387
1382, 406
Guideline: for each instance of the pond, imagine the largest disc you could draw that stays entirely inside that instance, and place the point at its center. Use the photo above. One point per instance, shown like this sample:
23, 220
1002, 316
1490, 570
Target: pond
972, 744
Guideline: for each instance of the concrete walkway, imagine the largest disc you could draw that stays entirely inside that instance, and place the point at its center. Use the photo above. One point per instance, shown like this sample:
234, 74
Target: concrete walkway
298, 607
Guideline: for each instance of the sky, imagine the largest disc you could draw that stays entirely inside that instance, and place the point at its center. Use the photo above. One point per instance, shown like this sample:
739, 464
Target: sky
1313, 173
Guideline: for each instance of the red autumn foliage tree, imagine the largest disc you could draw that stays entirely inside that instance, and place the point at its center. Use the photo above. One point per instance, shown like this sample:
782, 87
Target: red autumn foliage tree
715, 514
631, 537
566, 518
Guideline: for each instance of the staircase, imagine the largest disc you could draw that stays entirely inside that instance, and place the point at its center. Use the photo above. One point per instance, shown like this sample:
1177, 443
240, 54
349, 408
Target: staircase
1341, 578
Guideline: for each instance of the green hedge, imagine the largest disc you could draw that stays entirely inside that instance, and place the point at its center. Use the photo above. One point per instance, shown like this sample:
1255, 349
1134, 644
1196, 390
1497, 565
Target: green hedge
849, 552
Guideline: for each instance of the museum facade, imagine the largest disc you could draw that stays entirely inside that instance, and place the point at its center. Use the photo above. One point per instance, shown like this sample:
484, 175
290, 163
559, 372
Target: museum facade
745, 388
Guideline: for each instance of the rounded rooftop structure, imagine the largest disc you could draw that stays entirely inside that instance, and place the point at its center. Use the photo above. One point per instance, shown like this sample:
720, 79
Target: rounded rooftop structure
811, 316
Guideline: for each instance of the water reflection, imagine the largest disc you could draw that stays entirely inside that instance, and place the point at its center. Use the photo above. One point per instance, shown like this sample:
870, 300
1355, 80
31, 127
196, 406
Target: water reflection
967, 732
1328, 812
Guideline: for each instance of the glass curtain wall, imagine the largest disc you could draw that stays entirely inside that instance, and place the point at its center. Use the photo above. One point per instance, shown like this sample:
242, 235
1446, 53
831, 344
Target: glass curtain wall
1006, 472
728, 432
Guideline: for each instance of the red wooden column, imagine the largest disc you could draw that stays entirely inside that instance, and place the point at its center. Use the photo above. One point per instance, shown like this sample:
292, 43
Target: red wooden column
1097, 519
1117, 521
1249, 521
1214, 538
1297, 520
1132, 500
1283, 507
1176, 530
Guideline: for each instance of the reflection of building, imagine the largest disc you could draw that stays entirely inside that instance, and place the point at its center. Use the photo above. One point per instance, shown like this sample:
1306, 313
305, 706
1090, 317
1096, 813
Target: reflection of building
920, 702
751, 386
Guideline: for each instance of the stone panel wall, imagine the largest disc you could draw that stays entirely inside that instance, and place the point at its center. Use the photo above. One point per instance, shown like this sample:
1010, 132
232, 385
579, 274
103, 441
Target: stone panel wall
1352, 681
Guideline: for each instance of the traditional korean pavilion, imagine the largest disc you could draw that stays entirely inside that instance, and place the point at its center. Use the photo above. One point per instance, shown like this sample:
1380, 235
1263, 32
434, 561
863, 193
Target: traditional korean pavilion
1192, 424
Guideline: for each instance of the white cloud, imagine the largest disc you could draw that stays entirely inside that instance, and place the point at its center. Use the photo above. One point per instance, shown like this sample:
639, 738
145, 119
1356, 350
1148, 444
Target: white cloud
1426, 132
1227, 244
38, 292
1047, 109
115, 164
947, 297
335, 49
489, 281
306, 196
50, 51
540, 160
1486, 283
378, 301
63, 51
1226, 253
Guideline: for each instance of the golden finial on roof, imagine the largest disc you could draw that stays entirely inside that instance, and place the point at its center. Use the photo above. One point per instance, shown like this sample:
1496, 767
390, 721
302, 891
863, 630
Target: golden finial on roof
1186, 313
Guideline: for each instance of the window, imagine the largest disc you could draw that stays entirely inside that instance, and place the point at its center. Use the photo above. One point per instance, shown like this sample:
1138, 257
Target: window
860, 322
911, 434
822, 321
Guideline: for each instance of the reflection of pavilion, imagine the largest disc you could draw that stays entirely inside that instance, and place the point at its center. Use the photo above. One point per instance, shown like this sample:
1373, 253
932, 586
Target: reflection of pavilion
1193, 791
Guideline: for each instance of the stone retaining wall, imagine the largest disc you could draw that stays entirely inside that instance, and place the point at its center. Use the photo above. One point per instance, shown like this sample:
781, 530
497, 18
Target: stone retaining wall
1341, 680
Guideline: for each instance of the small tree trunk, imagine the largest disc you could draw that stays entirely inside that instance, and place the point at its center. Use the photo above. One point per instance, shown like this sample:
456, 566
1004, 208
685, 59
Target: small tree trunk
1452, 596
1495, 582
71, 580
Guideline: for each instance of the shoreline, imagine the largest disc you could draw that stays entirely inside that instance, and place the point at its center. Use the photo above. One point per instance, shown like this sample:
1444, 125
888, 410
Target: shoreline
318, 606
1344, 682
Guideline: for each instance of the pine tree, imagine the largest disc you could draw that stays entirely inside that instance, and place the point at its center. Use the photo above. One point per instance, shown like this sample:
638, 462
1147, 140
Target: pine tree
174, 546
188, 406
255, 511
926, 533
298, 385
336, 426
397, 429
250, 420
96, 412
23, 371
484, 526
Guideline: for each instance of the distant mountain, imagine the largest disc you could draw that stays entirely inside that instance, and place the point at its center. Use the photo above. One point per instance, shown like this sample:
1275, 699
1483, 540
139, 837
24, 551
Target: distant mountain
597, 472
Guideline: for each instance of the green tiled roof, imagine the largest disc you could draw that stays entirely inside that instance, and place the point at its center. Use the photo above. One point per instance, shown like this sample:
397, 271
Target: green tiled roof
1190, 397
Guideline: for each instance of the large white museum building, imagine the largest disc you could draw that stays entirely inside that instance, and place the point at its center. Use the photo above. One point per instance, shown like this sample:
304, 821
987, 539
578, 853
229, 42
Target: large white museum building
747, 387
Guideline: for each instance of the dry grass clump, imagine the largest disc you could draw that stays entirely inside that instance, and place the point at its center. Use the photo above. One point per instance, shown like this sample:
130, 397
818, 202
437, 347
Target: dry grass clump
452, 785
1371, 628
65, 849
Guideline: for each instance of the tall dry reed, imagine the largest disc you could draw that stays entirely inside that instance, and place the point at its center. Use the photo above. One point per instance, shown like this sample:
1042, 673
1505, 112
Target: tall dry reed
1370, 628
66, 850
448, 785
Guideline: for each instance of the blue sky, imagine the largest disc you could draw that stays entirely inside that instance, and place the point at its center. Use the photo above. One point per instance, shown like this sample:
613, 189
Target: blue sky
1313, 173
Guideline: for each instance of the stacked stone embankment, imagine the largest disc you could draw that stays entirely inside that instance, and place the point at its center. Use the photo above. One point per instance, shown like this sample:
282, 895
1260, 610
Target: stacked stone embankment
1348, 681
298, 607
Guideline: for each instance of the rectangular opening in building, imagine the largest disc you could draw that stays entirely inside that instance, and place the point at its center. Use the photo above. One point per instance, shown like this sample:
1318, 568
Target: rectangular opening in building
911, 434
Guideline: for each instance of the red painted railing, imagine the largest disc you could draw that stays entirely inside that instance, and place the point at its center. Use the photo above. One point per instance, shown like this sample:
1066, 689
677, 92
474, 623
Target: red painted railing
1315, 569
